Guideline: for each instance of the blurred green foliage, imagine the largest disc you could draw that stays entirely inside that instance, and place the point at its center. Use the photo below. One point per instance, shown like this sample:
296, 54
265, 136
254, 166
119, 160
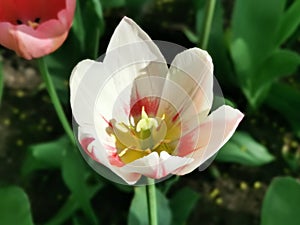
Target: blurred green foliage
281, 203
14, 206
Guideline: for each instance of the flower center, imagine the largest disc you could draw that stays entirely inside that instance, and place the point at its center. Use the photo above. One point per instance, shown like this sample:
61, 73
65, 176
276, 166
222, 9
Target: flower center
148, 135
33, 24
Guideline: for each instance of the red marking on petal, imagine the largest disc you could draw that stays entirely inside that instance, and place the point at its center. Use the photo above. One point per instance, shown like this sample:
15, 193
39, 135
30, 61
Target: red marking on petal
175, 117
115, 160
113, 156
85, 143
108, 122
187, 144
151, 105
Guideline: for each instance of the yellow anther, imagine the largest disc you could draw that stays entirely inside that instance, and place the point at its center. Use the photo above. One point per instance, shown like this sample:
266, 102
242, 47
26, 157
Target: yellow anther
34, 25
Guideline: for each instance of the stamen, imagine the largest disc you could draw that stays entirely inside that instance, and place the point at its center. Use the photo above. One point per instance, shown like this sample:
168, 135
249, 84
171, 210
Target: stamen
37, 20
19, 22
122, 153
148, 150
122, 127
34, 25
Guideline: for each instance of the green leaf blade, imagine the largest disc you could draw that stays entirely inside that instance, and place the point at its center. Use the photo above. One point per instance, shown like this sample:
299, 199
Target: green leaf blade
256, 22
243, 149
290, 21
182, 204
281, 203
14, 207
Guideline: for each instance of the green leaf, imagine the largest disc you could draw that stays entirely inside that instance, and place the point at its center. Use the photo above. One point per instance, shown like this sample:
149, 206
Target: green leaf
190, 35
240, 53
75, 174
256, 22
14, 207
217, 47
71, 206
281, 63
97, 7
243, 149
281, 203
94, 26
182, 204
200, 18
112, 3
78, 27
286, 100
289, 22
46, 155
138, 212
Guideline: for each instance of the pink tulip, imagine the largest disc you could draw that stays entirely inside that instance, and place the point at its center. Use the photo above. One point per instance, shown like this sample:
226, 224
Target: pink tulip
138, 117
34, 28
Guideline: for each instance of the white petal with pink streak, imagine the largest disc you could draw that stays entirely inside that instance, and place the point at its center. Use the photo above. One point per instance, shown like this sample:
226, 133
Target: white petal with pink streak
213, 133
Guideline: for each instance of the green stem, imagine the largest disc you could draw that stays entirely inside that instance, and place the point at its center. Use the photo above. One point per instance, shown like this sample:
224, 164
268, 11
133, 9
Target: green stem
55, 100
151, 201
208, 17
1, 82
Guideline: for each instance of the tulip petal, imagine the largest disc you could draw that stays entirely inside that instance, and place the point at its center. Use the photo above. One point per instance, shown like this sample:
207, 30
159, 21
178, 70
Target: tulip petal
127, 33
156, 165
130, 48
51, 31
85, 83
102, 156
6, 38
192, 70
214, 132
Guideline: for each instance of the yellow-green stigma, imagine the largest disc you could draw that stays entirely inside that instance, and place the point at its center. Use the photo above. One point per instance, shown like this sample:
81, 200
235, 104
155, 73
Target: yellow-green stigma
146, 123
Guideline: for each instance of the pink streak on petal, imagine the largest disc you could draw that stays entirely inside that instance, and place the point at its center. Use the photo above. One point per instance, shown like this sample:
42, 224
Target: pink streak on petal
214, 133
113, 156
85, 144
187, 143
